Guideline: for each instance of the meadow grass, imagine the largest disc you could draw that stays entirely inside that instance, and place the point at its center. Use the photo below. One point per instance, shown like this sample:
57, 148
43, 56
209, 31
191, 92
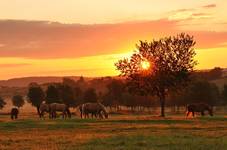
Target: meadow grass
174, 141
118, 132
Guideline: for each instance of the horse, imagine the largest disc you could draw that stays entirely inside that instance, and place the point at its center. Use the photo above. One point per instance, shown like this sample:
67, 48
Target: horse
54, 107
44, 108
94, 109
14, 113
199, 107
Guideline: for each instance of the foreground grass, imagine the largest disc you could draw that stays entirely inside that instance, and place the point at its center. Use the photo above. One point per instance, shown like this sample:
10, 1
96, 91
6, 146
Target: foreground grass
119, 132
174, 141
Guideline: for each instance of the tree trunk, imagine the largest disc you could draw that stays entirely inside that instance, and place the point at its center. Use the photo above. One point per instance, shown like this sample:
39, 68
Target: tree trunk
162, 102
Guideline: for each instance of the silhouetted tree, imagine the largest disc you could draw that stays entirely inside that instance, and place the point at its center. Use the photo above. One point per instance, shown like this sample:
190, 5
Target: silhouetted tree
2, 103
18, 100
114, 93
78, 95
69, 82
52, 94
170, 60
35, 96
224, 94
202, 91
90, 95
67, 96
215, 73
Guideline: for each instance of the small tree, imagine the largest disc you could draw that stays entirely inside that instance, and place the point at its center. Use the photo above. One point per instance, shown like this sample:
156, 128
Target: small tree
67, 95
18, 101
35, 96
2, 103
114, 93
159, 66
90, 95
52, 94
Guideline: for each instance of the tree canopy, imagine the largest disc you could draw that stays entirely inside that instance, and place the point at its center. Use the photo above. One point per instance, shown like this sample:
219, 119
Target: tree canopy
18, 100
170, 62
35, 95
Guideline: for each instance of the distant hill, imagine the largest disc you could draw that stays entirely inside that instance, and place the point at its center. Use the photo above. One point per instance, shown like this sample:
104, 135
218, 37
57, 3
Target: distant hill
24, 81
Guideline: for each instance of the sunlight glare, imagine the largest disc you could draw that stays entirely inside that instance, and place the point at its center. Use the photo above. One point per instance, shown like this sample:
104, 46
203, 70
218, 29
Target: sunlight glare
145, 65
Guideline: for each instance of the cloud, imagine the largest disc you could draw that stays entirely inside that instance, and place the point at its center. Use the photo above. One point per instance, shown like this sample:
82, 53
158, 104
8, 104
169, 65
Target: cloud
209, 6
43, 39
13, 65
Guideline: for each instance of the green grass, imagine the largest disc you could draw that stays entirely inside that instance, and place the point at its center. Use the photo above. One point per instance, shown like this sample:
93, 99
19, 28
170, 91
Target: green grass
175, 141
143, 133
161, 121
44, 124
76, 123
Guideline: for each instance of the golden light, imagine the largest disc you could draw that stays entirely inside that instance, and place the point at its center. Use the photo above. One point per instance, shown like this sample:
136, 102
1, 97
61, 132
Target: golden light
145, 65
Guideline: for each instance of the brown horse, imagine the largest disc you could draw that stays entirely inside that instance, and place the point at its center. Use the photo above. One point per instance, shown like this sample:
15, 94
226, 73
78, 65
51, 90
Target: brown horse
44, 108
14, 113
199, 107
54, 107
94, 109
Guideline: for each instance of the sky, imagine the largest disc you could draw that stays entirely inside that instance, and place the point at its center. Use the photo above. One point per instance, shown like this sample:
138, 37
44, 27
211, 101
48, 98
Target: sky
84, 37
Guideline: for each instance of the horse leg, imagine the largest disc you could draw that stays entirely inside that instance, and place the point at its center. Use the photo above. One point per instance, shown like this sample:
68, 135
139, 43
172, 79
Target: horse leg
188, 113
193, 114
81, 115
202, 113
54, 114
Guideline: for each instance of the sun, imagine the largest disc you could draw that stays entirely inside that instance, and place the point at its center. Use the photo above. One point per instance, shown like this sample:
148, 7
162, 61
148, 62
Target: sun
145, 65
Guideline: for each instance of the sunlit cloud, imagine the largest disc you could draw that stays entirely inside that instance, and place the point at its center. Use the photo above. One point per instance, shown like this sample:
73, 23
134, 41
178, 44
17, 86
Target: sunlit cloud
210, 6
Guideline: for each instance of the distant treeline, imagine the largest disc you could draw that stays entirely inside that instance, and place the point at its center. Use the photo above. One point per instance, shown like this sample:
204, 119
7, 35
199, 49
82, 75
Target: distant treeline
113, 92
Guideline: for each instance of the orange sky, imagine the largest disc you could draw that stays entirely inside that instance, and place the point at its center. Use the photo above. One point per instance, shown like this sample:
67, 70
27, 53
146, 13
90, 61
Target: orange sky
83, 37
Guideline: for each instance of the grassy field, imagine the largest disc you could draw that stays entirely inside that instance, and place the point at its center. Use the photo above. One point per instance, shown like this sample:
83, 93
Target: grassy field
118, 132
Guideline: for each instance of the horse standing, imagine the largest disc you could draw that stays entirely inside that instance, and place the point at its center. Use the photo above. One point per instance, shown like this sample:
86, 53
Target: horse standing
200, 107
95, 109
14, 113
44, 108
54, 107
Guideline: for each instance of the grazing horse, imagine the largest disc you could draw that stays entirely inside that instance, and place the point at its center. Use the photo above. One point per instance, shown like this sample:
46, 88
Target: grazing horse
93, 109
44, 108
54, 107
14, 113
199, 107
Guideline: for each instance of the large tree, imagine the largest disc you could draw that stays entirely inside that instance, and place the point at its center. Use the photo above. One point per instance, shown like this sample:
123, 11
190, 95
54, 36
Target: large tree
18, 100
159, 66
35, 95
